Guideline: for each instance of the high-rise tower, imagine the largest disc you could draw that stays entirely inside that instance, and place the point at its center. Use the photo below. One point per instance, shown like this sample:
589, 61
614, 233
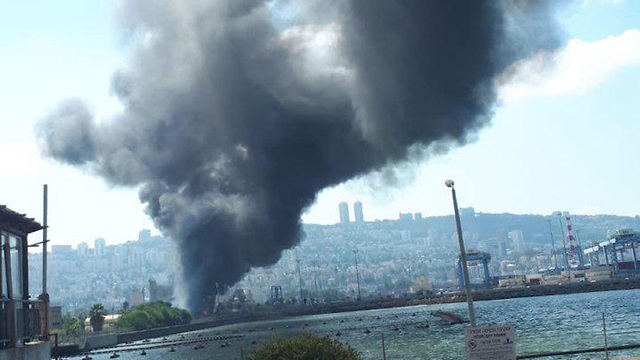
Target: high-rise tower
344, 212
518, 240
357, 212
99, 245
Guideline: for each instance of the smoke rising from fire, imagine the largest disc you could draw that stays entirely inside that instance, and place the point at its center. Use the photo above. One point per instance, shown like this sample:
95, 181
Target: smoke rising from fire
238, 112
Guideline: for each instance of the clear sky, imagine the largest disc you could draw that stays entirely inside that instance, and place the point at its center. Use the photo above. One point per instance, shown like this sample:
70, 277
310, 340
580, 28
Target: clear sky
566, 135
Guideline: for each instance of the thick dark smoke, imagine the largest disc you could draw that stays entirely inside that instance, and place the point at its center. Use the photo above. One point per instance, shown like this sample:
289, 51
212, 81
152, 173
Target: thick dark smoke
238, 112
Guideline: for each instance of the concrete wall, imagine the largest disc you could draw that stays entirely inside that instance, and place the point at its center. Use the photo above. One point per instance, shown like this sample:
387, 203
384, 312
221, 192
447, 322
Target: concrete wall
100, 341
158, 332
37, 351
107, 340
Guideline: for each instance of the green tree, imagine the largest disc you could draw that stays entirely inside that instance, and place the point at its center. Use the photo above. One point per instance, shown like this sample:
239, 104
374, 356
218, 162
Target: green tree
82, 315
305, 346
151, 315
96, 317
72, 326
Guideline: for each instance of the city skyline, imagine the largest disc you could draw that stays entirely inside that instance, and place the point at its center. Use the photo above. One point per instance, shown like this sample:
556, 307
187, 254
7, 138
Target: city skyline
355, 179
546, 140
422, 250
146, 233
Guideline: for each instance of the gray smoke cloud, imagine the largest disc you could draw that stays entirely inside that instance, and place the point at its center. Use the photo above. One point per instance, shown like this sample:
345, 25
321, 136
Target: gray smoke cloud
238, 112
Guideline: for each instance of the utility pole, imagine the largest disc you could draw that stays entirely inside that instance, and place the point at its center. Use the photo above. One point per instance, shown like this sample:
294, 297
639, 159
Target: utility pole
315, 278
604, 331
299, 278
355, 256
463, 255
553, 246
45, 240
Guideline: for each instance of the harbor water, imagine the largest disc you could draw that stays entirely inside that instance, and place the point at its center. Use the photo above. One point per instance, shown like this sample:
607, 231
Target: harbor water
543, 324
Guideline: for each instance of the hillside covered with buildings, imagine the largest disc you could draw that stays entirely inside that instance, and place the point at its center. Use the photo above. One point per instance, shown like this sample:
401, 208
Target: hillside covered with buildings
395, 257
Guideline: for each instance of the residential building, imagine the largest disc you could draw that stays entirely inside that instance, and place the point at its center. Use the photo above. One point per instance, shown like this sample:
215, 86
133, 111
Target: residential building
518, 240
99, 245
83, 249
137, 298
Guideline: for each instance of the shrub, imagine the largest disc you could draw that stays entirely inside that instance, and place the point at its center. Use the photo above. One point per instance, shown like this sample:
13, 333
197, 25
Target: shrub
305, 346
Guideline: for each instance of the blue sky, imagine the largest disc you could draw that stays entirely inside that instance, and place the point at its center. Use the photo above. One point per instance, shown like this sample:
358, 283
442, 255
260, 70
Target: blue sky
564, 138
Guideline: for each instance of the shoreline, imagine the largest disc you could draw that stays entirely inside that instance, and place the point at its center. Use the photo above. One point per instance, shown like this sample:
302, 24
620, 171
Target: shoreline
108, 340
478, 295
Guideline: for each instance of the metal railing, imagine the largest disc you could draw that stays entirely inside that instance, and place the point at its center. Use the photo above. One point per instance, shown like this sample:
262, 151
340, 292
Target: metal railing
20, 321
28, 322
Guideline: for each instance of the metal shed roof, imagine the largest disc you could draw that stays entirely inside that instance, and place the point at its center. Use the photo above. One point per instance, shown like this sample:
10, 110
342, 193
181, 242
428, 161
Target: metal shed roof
11, 220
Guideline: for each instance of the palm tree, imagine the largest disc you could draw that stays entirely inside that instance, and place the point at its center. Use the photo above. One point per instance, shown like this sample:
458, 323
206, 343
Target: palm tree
96, 317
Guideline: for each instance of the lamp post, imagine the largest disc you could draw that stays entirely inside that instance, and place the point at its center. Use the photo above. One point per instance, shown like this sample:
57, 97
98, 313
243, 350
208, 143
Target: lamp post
463, 255
299, 278
355, 256
315, 277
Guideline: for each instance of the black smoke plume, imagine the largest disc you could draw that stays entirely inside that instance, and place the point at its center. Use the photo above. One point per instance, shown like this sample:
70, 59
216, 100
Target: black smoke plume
238, 112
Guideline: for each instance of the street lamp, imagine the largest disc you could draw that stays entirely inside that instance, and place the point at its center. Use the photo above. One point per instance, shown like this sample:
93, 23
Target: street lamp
463, 255
299, 278
315, 277
355, 256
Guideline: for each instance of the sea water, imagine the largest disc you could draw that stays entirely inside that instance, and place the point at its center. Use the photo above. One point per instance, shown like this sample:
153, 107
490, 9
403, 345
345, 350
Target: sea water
543, 324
